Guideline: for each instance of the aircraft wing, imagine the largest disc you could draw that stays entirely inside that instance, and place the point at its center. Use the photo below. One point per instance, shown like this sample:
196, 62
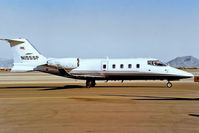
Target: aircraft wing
59, 71
88, 76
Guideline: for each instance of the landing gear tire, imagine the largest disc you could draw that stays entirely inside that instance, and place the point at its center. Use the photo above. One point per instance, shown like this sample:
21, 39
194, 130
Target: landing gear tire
93, 83
88, 84
169, 85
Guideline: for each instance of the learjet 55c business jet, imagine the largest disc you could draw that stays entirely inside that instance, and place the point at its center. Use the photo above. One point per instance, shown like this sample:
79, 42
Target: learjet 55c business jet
27, 58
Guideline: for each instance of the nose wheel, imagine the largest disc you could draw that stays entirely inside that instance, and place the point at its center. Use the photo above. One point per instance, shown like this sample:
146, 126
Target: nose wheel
169, 84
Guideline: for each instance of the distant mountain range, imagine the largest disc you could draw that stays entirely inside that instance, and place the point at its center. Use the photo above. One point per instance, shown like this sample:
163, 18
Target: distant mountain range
6, 63
179, 62
184, 62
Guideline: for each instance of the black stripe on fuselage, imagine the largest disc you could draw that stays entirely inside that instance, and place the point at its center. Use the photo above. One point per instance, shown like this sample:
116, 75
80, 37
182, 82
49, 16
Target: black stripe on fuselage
134, 77
125, 75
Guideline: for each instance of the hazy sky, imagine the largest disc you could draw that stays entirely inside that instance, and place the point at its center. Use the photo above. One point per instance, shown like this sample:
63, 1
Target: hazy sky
162, 29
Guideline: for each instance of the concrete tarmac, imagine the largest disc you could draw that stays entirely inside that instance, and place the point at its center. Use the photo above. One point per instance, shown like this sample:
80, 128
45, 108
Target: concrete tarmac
42, 103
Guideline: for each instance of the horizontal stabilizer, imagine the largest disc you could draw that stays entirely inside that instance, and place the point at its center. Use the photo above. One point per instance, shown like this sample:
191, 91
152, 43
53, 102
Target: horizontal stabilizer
13, 42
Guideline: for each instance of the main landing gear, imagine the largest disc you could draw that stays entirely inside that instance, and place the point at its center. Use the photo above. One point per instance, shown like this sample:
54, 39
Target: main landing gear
169, 84
90, 83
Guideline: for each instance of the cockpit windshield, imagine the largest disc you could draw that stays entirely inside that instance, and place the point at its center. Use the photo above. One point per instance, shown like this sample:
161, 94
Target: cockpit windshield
156, 63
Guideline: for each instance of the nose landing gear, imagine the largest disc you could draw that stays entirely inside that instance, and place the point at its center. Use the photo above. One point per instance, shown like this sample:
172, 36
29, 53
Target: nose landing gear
169, 84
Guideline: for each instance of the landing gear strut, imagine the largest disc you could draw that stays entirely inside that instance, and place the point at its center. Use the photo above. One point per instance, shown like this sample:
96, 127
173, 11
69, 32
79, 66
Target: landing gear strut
90, 83
169, 84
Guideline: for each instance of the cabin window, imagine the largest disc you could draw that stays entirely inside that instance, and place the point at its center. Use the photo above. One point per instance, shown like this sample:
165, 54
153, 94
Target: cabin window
138, 65
130, 66
121, 66
104, 66
113, 66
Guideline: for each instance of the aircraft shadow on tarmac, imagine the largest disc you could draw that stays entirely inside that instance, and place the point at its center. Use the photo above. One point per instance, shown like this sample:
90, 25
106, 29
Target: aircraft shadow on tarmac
62, 88
46, 88
148, 98
79, 86
195, 115
24, 87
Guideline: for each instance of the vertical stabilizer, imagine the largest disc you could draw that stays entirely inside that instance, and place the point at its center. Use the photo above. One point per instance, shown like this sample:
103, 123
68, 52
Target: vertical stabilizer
26, 57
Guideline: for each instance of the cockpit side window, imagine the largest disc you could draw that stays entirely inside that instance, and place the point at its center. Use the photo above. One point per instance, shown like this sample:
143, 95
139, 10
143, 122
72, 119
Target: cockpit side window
156, 63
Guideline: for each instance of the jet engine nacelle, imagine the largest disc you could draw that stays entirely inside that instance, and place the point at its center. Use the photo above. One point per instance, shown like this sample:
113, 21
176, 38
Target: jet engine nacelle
68, 63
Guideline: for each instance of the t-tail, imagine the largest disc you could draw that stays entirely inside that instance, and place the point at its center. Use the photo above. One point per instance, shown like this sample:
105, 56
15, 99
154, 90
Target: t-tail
26, 57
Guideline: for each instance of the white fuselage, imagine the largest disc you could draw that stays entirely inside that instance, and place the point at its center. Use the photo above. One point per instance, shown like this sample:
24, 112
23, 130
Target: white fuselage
121, 69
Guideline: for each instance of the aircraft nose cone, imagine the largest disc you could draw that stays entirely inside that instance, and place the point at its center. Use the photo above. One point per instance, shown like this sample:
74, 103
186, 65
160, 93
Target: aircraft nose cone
181, 73
187, 74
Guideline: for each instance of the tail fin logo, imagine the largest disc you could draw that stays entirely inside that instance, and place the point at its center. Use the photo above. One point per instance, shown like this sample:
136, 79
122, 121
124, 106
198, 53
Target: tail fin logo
22, 48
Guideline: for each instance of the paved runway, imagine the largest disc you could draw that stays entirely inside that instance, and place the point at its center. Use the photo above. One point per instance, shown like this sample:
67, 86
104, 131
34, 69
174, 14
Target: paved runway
43, 103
